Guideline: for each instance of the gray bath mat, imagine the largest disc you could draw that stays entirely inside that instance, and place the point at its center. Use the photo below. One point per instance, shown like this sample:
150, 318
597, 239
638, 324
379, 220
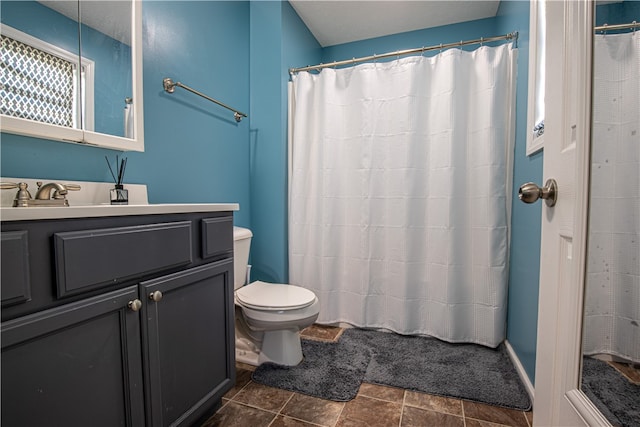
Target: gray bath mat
334, 371
329, 370
616, 397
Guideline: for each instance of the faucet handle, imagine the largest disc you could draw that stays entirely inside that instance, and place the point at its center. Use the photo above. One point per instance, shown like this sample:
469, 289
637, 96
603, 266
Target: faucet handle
22, 196
72, 187
8, 185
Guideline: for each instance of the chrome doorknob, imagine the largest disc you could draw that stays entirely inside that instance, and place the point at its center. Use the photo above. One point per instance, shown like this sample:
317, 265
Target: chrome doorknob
530, 192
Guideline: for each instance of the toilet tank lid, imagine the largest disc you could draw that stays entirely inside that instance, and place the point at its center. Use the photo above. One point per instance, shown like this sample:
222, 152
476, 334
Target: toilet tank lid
240, 233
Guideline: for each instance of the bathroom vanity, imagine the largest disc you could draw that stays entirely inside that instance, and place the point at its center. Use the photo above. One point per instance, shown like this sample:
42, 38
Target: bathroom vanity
116, 315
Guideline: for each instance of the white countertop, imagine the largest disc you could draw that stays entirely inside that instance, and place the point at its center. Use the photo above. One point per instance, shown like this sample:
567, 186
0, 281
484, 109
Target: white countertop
92, 200
35, 213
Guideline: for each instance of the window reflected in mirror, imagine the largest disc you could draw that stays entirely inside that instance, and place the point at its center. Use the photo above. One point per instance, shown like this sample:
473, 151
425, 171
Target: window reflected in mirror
41, 81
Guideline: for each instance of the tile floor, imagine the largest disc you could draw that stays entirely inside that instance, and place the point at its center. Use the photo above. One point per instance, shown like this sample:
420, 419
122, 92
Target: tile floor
630, 371
254, 405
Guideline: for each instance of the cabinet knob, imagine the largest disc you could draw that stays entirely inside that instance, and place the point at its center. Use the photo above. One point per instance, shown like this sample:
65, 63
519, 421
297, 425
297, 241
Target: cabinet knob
155, 296
135, 305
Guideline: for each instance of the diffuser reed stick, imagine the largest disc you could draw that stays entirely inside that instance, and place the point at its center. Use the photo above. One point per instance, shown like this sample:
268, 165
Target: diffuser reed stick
119, 196
121, 165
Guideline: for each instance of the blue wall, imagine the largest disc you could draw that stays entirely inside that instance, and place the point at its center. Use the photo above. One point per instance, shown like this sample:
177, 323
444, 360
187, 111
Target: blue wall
526, 220
412, 39
268, 149
279, 40
194, 149
618, 13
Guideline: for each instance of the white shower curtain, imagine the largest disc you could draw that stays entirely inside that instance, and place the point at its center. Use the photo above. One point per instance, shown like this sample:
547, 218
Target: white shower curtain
612, 307
400, 188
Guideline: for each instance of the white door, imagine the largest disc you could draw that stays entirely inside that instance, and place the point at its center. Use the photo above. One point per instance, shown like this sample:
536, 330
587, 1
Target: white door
558, 401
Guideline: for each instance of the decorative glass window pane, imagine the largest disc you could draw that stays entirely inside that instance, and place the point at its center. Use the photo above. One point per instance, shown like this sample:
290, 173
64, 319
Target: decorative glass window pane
36, 85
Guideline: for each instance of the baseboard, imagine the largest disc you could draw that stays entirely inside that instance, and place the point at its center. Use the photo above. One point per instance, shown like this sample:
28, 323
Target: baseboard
520, 369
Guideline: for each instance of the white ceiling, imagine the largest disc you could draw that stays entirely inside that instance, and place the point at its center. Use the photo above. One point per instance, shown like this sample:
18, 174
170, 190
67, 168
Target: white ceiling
330, 21
338, 21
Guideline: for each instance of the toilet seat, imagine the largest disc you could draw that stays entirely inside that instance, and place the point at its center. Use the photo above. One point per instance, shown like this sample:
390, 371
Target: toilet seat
274, 297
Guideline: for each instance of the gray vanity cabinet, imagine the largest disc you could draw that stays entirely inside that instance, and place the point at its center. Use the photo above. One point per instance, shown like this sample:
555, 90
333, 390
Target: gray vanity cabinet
147, 341
184, 326
77, 364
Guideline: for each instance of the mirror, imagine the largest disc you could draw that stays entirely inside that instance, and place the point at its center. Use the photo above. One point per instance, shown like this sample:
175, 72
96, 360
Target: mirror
611, 327
74, 71
535, 100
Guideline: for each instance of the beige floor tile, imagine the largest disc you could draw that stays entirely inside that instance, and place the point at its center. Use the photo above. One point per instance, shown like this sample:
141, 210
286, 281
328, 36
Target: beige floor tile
366, 411
282, 421
416, 417
494, 414
529, 416
237, 415
382, 392
322, 332
243, 377
631, 373
447, 405
313, 410
470, 422
245, 366
263, 397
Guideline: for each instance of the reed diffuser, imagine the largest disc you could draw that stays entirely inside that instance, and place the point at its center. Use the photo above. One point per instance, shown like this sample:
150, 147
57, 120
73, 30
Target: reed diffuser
118, 195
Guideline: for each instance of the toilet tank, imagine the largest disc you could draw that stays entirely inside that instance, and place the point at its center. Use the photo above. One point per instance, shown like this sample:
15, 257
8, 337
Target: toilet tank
241, 246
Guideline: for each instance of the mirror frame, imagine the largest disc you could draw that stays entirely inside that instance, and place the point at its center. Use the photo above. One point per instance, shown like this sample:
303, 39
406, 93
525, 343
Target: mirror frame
534, 144
48, 131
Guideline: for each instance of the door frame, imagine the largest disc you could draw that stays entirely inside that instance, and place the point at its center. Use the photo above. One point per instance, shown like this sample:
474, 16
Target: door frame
558, 398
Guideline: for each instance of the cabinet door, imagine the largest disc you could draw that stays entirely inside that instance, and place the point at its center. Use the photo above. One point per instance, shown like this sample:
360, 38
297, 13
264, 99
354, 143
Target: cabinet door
188, 336
74, 365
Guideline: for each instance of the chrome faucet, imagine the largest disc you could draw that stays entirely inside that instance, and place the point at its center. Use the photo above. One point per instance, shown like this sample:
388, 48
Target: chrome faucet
44, 191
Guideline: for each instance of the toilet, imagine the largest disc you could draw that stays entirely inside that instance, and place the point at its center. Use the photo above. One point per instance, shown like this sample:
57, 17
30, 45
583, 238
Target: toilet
269, 316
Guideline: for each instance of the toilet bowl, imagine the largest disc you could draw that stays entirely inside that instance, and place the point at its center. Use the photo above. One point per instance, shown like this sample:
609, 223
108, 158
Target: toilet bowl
269, 316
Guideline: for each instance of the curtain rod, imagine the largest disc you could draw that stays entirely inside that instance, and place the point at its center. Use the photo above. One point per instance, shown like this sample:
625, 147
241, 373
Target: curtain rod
606, 27
373, 57
169, 86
